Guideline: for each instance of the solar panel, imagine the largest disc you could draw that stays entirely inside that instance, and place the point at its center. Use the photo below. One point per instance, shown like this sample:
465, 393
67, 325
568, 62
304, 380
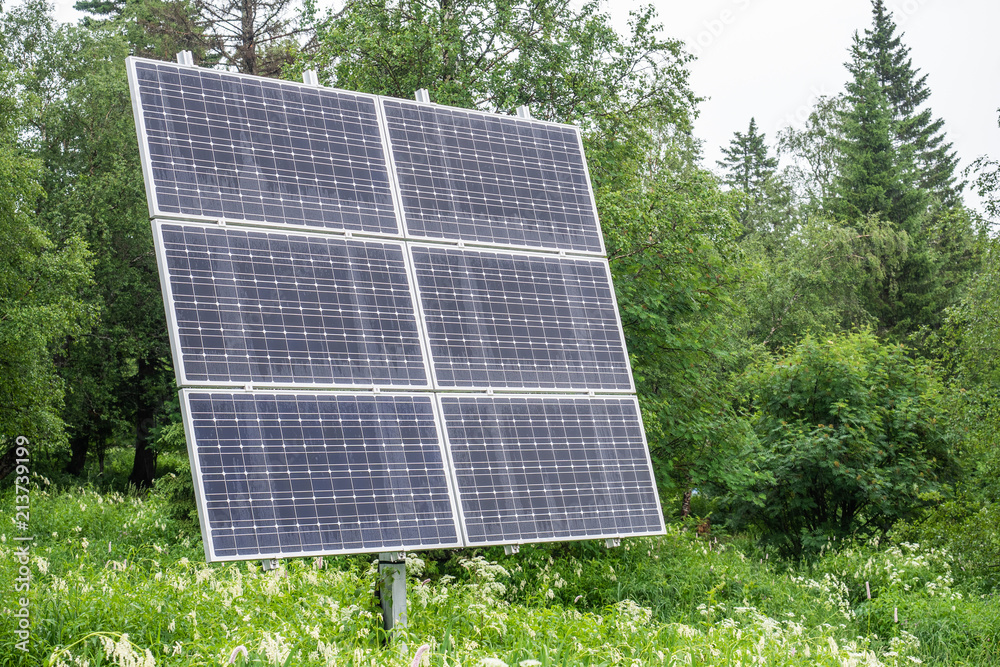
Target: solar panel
538, 468
293, 474
506, 320
491, 179
275, 308
241, 148
299, 290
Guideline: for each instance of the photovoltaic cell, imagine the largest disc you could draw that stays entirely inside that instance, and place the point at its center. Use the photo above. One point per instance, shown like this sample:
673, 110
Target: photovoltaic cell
293, 474
491, 179
226, 146
266, 307
536, 468
503, 320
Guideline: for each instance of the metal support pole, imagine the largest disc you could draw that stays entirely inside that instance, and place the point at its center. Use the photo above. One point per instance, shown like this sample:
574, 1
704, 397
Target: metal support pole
392, 589
423, 96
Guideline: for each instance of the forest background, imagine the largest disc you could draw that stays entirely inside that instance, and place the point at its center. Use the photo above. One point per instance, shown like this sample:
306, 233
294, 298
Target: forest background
814, 346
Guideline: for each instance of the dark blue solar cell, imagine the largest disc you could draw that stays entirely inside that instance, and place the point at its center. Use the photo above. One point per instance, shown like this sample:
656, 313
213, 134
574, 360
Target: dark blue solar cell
284, 480
273, 308
532, 468
505, 320
222, 145
491, 179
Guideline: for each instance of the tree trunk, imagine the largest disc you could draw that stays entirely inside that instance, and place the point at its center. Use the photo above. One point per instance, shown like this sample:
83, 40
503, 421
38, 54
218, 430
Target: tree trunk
8, 461
144, 465
78, 446
686, 504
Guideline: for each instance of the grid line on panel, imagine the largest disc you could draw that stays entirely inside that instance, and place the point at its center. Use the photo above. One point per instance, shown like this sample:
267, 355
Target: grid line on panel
268, 307
537, 468
491, 179
226, 146
521, 321
285, 474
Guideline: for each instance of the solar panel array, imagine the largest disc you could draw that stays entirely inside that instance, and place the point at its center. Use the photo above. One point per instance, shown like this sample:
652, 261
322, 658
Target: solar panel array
348, 280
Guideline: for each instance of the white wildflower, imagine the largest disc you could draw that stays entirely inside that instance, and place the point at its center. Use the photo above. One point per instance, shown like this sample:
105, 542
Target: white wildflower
122, 653
274, 648
492, 662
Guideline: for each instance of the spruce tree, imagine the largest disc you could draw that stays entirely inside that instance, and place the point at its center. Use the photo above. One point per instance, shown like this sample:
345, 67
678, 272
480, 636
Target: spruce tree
751, 170
872, 173
916, 133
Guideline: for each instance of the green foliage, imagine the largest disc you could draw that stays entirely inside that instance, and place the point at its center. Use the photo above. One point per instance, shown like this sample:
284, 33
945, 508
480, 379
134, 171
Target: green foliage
871, 176
817, 284
76, 102
765, 207
854, 434
40, 286
668, 244
892, 162
565, 63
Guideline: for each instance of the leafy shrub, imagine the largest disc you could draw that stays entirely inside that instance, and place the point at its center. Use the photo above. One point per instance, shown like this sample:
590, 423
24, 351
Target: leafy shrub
854, 434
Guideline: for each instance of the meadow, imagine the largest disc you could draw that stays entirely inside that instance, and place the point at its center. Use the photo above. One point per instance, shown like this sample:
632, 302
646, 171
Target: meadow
120, 579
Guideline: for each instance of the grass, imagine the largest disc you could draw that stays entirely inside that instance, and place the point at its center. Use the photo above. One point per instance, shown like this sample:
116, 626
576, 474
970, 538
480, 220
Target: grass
119, 579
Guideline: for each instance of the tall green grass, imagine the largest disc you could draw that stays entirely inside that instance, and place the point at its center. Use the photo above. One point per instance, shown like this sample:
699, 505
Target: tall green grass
120, 579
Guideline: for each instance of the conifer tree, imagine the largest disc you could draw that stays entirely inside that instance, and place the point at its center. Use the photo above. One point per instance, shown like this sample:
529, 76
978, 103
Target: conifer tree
751, 170
916, 133
871, 175
746, 161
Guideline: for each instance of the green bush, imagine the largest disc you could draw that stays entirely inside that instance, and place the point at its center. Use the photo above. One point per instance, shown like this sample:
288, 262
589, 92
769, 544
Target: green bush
855, 436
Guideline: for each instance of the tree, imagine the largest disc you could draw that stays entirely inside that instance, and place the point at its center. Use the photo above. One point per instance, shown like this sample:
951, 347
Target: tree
819, 281
854, 434
916, 133
252, 36
815, 149
565, 64
870, 177
79, 112
40, 288
765, 207
987, 181
872, 180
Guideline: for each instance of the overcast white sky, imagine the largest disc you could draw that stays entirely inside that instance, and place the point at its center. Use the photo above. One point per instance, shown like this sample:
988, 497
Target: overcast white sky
770, 59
